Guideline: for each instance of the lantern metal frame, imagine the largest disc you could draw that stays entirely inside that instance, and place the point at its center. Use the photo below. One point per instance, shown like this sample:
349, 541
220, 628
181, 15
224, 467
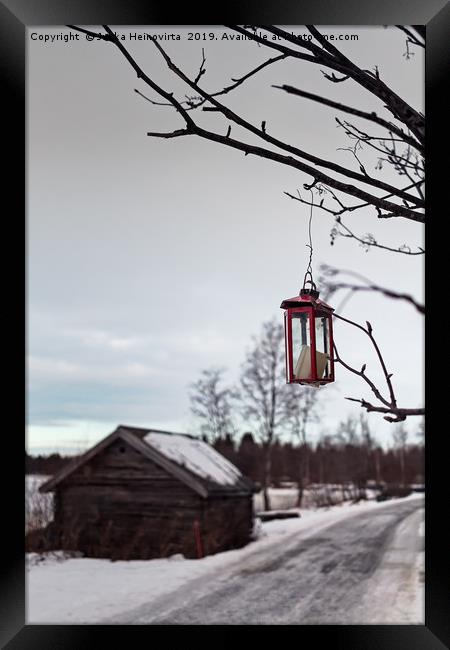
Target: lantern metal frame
308, 302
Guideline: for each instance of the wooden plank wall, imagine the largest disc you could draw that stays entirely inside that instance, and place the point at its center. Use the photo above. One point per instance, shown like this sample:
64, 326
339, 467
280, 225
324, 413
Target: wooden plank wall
122, 505
227, 523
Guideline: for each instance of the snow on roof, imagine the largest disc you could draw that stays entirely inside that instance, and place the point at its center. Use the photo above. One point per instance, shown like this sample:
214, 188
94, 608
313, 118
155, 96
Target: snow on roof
195, 456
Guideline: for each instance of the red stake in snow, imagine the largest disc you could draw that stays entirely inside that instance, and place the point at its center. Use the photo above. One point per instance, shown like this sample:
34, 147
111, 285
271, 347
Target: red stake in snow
198, 539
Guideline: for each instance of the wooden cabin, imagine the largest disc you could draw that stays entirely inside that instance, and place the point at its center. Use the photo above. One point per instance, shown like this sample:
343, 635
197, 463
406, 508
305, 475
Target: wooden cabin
145, 493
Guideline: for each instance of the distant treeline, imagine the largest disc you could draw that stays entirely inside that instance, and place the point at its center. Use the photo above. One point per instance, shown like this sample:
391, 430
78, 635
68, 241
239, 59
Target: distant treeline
45, 464
330, 461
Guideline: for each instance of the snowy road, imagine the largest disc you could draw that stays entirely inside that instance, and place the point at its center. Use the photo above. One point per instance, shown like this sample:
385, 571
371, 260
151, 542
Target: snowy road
361, 570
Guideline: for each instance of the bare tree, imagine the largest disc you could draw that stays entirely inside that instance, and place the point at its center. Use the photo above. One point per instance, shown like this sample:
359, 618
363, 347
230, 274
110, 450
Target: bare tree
347, 439
400, 437
358, 444
392, 135
303, 411
421, 431
212, 404
326, 470
378, 452
368, 442
265, 397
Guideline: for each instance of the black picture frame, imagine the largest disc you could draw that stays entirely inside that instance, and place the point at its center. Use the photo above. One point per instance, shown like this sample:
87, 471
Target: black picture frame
15, 16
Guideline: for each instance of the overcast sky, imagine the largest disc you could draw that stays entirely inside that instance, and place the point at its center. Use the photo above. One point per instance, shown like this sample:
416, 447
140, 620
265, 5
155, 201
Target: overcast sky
151, 259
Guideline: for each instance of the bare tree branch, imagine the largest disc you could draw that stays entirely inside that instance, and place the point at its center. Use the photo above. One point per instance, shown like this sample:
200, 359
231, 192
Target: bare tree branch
337, 61
372, 82
387, 375
98, 35
403, 162
386, 292
372, 117
231, 115
333, 58
411, 37
389, 406
171, 134
202, 67
400, 413
368, 286
194, 103
391, 209
369, 241
142, 75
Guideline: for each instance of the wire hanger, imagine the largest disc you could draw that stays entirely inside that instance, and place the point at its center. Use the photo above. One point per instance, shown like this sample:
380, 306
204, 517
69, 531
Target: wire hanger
309, 271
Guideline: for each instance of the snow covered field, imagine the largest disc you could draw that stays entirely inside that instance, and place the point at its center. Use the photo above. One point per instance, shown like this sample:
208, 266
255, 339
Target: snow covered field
83, 590
320, 495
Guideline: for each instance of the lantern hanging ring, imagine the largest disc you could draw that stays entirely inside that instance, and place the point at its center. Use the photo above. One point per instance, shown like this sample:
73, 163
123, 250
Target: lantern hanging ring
310, 281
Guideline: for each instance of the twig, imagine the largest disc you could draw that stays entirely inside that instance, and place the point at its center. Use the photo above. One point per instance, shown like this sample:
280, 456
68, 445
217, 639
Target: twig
389, 407
411, 38
202, 67
372, 117
386, 292
369, 286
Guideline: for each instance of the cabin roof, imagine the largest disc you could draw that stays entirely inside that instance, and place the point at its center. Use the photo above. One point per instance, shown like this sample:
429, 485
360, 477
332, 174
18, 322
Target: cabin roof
189, 459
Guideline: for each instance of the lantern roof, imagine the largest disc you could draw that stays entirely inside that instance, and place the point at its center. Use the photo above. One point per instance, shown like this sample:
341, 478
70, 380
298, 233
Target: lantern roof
306, 298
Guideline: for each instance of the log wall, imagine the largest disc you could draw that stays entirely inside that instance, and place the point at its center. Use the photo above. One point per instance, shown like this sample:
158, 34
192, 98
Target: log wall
122, 505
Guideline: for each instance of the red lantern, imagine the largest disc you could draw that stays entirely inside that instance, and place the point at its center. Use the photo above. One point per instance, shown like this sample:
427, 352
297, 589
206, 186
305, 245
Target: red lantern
308, 331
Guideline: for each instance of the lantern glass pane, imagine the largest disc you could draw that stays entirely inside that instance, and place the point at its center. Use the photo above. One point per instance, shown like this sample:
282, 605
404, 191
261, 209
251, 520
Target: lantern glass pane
322, 347
301, 345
